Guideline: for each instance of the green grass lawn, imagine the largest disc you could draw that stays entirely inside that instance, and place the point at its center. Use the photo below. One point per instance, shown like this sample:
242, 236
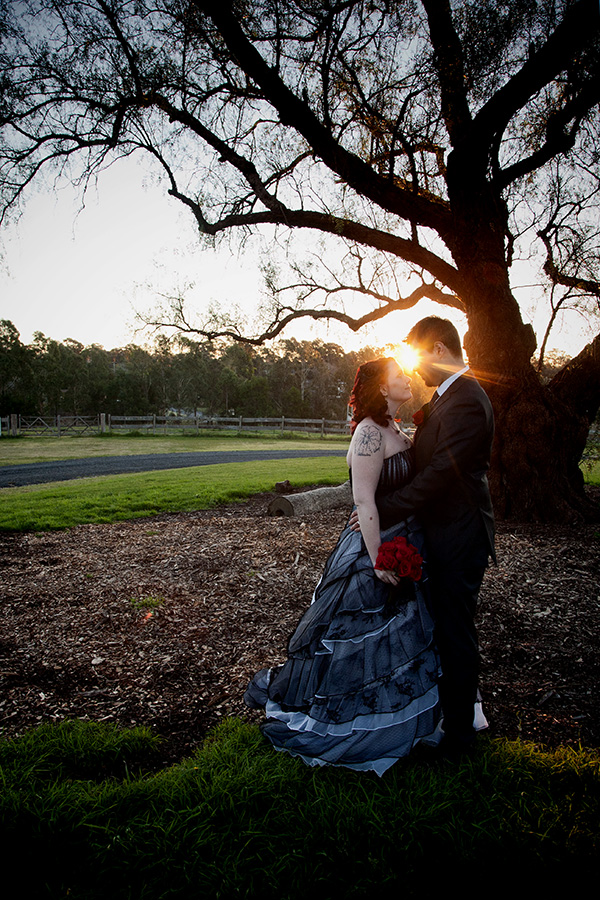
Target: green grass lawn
28, 449
85, 812
113, 498
591, 471
116, 497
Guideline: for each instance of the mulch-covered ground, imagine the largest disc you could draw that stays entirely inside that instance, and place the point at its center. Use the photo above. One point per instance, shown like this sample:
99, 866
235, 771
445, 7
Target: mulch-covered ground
162, 621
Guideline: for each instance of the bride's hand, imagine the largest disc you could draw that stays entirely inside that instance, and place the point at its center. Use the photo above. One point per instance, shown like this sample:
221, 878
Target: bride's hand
386, 576
353, 521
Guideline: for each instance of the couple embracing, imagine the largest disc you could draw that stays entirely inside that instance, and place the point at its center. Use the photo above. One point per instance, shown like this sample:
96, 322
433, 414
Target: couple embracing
381, 662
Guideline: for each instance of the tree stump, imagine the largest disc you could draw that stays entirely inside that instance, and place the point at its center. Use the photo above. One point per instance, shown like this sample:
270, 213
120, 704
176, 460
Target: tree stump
311, 501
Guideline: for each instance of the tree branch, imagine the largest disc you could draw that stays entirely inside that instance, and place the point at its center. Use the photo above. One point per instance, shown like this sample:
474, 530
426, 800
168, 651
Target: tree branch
278, 213
578, 383
308, 285
580, 24
296, 113
556, 308
285, 315
451, 73
587, 285
559, 138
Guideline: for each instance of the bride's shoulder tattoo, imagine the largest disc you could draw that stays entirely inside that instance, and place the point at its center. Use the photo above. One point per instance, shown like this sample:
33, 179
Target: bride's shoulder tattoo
369, 441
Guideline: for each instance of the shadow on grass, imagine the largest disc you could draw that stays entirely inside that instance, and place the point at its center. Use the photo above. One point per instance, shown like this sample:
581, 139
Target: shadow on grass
87, 815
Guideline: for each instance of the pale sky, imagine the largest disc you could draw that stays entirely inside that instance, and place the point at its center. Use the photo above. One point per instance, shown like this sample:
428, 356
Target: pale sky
80, 273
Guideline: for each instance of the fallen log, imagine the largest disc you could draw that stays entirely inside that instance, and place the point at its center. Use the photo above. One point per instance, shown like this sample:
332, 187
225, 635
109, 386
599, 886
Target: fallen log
311, 501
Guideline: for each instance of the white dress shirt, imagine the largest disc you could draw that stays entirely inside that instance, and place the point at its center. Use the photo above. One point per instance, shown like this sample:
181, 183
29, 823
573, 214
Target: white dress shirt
450, 380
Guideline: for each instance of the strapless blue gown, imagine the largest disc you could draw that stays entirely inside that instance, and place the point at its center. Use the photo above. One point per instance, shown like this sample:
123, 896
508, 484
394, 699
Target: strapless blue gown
359, 688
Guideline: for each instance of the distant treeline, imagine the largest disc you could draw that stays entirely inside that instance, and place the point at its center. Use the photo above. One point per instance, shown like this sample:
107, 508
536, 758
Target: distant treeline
301, 379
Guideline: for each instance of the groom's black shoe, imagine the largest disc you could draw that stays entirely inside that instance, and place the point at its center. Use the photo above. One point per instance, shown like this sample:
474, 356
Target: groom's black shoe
449, 751
454, 752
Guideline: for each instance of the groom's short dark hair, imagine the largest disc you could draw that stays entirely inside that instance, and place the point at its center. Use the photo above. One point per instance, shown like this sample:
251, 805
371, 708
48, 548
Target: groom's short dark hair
431, 329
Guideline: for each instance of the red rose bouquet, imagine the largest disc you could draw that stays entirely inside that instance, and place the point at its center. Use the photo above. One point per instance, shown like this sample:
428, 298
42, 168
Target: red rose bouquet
400, 557
419, 417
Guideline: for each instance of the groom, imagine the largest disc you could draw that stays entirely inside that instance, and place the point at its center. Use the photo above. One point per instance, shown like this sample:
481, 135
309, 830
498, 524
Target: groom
450, 497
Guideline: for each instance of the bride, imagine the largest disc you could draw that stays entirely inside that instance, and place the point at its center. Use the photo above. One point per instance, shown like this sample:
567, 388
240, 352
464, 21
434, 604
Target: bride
359, 688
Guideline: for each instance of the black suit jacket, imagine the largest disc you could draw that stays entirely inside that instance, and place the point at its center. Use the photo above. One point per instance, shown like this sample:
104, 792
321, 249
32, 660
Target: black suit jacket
450, 493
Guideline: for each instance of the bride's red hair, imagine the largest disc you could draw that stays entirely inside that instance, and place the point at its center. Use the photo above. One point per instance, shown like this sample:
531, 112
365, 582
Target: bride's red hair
366, 398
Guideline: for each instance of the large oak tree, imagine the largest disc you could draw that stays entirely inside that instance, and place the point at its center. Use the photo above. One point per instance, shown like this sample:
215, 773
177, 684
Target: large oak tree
437, 136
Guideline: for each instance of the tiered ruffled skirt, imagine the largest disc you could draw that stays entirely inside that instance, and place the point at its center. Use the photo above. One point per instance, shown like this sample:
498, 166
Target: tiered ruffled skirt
359, 688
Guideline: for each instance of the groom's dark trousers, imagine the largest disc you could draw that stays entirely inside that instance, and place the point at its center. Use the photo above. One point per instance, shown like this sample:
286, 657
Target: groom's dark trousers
450, 497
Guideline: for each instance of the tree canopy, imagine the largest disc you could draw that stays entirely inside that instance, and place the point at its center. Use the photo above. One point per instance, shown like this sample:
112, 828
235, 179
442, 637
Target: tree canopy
433, 141
290, 378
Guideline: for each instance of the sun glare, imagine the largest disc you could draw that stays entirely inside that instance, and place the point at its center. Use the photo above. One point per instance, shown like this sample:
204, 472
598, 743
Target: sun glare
407, 357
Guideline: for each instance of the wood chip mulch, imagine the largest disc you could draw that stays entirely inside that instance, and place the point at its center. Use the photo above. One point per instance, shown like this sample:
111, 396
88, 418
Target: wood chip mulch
163, 621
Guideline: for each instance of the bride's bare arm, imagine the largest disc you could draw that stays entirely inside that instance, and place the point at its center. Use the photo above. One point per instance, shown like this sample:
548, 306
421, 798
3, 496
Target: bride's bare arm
367, 455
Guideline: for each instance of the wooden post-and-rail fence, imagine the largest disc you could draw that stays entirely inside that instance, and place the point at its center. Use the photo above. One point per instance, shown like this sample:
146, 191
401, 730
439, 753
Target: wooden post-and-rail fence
16, 425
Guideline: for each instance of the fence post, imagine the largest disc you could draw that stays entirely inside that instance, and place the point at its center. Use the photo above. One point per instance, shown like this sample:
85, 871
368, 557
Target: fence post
58, 425
283, 424
14, 428
102, 423
322, 427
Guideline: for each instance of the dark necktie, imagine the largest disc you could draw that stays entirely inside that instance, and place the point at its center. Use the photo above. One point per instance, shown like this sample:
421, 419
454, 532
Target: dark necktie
434, 399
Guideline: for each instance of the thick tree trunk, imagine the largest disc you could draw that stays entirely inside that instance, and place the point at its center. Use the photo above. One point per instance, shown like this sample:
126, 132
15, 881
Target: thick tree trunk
541, 431
535, 465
